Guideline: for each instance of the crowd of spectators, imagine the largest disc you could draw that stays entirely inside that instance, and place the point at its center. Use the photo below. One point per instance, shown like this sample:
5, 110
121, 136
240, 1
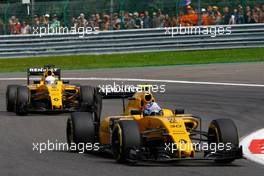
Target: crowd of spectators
188, 16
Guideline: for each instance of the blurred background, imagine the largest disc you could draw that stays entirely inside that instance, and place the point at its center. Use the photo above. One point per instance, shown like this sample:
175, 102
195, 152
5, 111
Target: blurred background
18, 17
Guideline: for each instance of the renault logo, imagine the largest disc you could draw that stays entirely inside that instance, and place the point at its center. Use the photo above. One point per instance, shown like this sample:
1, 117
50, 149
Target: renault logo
56, 99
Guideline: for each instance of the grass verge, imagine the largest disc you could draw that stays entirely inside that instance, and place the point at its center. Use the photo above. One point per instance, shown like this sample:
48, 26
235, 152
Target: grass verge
136, 59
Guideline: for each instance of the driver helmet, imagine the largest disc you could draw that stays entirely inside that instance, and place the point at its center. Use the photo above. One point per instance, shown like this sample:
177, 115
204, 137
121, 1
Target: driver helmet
152, 109
50, 80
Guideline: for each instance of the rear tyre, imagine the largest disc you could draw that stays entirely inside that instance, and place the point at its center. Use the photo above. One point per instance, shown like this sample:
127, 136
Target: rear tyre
11, 97
98, 105
223, 131
125, 137
80, 128
23, 99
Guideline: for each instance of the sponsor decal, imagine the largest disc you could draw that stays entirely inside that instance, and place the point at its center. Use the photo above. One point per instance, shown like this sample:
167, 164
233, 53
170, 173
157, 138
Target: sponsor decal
256, 146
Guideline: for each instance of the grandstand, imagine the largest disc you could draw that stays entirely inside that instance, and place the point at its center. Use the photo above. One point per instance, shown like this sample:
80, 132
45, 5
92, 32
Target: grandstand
19, 18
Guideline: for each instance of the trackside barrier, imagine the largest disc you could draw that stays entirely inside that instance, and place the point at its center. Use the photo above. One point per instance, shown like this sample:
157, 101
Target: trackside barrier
128, 41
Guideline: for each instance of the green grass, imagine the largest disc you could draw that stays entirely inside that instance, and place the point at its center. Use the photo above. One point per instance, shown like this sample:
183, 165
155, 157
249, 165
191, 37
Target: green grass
136, 59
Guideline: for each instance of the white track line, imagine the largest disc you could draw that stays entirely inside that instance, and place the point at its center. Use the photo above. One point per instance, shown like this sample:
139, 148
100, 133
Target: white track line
245, 142
150, 80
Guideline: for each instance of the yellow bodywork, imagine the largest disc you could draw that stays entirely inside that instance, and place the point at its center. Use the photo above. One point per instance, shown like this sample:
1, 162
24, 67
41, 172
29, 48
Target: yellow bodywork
169, 128
54, 92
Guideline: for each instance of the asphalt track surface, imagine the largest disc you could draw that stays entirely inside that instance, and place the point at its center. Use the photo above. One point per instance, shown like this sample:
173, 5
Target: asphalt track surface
242, 104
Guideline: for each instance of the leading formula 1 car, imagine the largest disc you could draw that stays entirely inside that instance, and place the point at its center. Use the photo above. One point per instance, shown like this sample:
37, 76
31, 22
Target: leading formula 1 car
169, 136
45, 96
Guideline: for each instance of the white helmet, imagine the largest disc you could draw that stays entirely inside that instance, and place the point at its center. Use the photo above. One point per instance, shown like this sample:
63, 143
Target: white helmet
50, 80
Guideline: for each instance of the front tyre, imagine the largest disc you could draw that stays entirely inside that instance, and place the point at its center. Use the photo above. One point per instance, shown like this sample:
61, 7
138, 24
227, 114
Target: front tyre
223, 131
23, 99
11, 97
125, 138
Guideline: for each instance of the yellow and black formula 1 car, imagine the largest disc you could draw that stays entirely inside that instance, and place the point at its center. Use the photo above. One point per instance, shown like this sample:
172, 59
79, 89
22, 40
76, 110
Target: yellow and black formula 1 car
168, 136
49, 93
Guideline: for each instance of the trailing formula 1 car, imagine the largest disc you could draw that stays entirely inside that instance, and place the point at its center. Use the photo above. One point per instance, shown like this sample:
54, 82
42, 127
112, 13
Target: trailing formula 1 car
49, 93
163, 135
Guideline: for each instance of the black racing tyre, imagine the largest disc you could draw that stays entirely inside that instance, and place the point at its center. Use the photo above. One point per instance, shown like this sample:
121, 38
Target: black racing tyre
80, 128
98, 105
125, 137
223, 131
11, 97
23, 99
87, 97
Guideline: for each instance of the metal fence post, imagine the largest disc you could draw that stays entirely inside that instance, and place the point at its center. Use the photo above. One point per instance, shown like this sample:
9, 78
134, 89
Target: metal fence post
111, 13
199, 13
32, 11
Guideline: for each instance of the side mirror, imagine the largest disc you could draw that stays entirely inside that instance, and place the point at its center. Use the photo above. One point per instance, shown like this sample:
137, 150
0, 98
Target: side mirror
36, 81
179, 111
135, 112
65, 81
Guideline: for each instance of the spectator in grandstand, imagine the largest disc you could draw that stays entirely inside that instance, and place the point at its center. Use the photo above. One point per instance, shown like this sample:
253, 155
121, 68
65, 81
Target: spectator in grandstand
248, 15
155, 20
106, 23
146, 20
174, 21
209, 10
55, 24
161, 18
217, 16
17, 26
35, 24
91, 22
234, 17
82, 22
137, 24
11, 24
142, 16
189, 19
14, 25
205, 17
240, 15
258, 14
116, 22
124, 17
46, 20
255, 17
25, 28
167, 21
74, 22
36, 21
98, 22
1, 27
226, 15
262, 14
131, 22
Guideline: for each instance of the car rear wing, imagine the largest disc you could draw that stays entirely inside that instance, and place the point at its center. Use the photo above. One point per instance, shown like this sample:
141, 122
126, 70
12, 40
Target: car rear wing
116, 95
106, 94
41, 71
